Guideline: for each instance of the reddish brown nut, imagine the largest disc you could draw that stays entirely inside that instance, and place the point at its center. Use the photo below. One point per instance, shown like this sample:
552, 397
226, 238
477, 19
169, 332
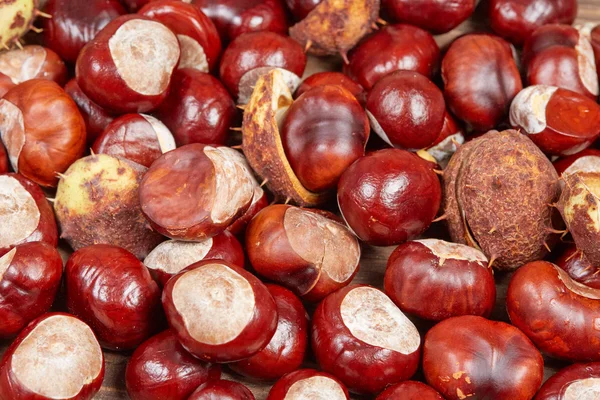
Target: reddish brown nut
97, 201
134, 5
127, 67
579, 381
161, 369
558, 314
332, 78
576, 264
308, 384
591, 30
480, 80
259, 201
285, 352
170, 257
410, 390
74, 23
220, 312
307, 252
548, 36
483, 200
36, 150
587, 160
3, 160
389, 196
254, 54
435, 16
406, 110
121, 303
516, 20
393, 48
448, 141
30, 275
436, 280
196, 191
301, 8
30, 62
56, 357
26, 214
470, 356
222, 390
16, 20
198, 38
361, 337
139, 138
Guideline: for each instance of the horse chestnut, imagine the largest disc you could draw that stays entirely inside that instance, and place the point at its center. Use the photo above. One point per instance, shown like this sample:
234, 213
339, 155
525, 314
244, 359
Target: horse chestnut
578, 381
587, 160
435, 16
410, 390
332, 78
308, 384
222, 390
576, 264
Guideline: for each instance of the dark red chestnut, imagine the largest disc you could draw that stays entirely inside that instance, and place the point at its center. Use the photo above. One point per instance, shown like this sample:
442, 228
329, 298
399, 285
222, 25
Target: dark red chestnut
389, 196
134, 5
576, 264
222, 390
56, 357
435, 16
448, 141
139, 138
578, 381
198, 109
127, 67
587, 160
220, 312
332, 78
410, 390
74, 23
3, 160
393, 48
308, 384
472, 357
198, 38
171, 257
161, 369
301, 8
285, 352
30, 275
406, 110
36, 150
560, 315
480, 79
121, 303
259, 201
26, 214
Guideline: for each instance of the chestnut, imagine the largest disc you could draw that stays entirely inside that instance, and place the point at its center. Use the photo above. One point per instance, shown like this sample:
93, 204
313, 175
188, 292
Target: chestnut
285, 352
332, 78
389, 196
557, 313
56, 357
435, 280
170, 257
26, 214
308, 252
198, 38
220, 312
160, 368
470, 356
578, 381
410, 390
576, 264
447, 142
30, 275
591, 30
134, 5
121, 303
74, 23
480, 79
30, 62
393, 48
435, 16
137, 137
198, 108
308, 384
406, 110
222, 390
587, 160
127, 67
259, 201
39, 151
210, 186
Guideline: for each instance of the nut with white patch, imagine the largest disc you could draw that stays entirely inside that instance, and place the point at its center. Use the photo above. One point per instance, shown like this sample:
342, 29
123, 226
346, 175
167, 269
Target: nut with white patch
575, 382
308, 384
220, 312
587, 160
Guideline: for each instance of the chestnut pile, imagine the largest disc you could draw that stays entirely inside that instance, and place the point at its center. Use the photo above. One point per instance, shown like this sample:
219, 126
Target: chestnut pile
204, 186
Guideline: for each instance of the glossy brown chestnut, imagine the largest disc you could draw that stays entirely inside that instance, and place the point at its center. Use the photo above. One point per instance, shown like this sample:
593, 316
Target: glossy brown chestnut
389, 196
121, 303
306, 251
301, 8
480, 79
259, 201
558, 314
198, 38
220, 312
222, 390
578, 381
127, 67
587, 160
3, 160
39, 151
332, 78
435, 280
448, 141
171, 257
410, 390
30, 275
160, 368
198, 109
576, 264
285, 352
393, 48
406, 110
548, 36
435, 16
308, 384
74, 23
26, 214
56, 357
139, 138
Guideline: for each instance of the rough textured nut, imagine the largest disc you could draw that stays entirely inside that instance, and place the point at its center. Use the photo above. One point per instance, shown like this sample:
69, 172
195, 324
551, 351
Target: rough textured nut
575, 382
308, 384
16, 18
